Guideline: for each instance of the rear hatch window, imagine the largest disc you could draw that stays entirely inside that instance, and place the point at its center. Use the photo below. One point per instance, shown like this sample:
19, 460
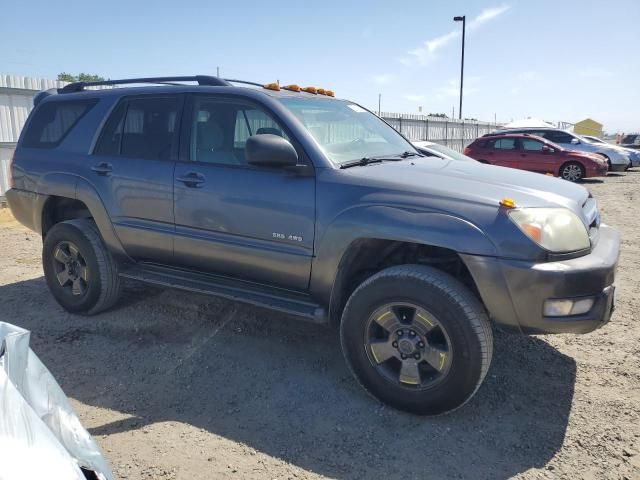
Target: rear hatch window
53, 121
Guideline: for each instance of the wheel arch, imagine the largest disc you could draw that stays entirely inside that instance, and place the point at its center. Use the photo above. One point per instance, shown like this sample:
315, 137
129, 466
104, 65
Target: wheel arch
366, 257
65, 197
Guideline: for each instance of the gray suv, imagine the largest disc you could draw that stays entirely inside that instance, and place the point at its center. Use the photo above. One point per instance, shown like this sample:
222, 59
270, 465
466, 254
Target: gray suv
294, 200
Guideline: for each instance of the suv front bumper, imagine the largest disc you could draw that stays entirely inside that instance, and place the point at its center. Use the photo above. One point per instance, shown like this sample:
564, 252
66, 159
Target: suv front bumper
514, 291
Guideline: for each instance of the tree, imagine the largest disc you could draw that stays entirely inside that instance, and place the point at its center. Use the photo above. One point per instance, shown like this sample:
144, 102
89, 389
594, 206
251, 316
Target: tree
81, 77
66, 77
439, 115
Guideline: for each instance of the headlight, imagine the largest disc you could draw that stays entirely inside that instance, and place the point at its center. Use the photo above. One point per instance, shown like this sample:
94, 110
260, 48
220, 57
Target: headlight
555, 229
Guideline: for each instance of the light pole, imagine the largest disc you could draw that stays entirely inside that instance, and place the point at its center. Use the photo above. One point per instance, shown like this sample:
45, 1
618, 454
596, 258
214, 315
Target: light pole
379, 102
462, 19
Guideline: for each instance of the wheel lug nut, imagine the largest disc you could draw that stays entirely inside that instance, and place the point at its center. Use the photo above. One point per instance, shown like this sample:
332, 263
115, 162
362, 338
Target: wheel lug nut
403, 356
417, 356
412, 333
421, 344
400, 333
395, 344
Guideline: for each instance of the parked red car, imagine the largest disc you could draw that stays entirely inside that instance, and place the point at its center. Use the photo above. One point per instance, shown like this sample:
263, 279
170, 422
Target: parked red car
533, 153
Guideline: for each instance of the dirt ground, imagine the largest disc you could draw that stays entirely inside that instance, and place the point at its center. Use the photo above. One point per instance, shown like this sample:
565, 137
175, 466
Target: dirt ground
181, 386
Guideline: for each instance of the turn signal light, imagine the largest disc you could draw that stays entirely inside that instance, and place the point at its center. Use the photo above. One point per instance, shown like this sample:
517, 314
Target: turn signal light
293, 87
313, 90
271, 86
507, 203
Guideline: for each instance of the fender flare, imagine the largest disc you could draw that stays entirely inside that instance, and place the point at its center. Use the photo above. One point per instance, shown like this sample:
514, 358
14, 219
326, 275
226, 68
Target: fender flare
87, 194
379, 222
73, 186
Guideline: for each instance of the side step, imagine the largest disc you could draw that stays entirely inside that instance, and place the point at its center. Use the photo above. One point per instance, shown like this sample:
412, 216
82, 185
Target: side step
279, 299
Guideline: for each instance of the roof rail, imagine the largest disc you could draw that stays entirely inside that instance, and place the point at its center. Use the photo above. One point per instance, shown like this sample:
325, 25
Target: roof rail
255, 84
201, 79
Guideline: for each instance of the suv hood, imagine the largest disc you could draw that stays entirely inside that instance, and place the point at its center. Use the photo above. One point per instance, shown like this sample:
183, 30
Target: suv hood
471, 182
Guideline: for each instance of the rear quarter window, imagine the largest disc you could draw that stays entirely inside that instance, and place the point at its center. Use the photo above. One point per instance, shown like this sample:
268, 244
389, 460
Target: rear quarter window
53, 121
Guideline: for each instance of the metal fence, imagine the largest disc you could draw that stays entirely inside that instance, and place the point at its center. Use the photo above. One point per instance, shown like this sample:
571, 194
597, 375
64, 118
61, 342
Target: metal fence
455, 134
6, 151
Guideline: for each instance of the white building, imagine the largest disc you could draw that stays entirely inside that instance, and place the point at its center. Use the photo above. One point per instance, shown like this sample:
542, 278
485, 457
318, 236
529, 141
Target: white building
16, 101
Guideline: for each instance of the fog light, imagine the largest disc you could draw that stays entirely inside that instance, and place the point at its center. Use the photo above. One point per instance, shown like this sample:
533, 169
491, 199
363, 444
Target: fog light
565, 307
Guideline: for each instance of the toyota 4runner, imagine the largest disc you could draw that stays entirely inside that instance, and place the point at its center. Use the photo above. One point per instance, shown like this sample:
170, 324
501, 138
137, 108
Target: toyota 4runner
289, 198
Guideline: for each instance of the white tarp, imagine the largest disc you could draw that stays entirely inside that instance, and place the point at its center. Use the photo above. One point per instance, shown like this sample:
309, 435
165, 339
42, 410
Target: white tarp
530, 122
40, 435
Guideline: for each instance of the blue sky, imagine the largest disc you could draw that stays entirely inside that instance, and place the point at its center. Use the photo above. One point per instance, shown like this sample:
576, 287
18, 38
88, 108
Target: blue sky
558, 60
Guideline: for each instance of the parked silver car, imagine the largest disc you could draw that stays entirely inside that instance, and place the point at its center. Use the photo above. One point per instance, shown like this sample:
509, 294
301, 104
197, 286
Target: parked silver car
618, 161
634, 155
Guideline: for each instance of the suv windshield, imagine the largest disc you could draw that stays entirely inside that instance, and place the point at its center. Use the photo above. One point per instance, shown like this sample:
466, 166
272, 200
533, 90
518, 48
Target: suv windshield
346, 131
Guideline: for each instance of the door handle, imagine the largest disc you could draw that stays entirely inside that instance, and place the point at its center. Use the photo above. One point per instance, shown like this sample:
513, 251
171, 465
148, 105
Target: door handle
103, 168
192, 179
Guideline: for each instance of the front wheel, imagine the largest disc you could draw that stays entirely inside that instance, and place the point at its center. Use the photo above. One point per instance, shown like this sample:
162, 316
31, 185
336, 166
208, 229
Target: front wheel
572, 171
417, 339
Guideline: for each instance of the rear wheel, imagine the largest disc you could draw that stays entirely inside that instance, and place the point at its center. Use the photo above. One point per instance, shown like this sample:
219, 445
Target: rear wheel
78, 268
572, 171
417, 339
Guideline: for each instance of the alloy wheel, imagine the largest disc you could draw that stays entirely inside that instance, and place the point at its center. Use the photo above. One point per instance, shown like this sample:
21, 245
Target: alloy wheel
408, 345
572, 173
71, 268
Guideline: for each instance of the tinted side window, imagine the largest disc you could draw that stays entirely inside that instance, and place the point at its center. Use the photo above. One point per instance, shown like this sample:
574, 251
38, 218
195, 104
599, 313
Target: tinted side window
531, 145
558, 137
505, 144
220, 129
150, 128
53, 121
109, 142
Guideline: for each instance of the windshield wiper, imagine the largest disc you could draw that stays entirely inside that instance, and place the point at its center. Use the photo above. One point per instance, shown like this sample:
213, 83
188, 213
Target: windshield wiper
382, 158
360, 162
408, 154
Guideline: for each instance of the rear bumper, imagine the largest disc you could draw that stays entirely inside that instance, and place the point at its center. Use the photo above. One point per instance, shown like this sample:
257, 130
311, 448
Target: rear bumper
514, 291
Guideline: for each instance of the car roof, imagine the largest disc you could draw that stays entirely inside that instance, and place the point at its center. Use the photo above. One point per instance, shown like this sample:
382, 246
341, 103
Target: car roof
168, 85
517, 135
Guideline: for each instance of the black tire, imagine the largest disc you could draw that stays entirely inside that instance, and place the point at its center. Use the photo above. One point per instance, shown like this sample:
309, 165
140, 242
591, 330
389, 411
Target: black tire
457, 311
572, 171
98, 287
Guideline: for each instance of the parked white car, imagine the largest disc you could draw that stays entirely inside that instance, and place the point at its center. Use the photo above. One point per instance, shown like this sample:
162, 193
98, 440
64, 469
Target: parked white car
431, 149
618, 161
40, 435
634, 155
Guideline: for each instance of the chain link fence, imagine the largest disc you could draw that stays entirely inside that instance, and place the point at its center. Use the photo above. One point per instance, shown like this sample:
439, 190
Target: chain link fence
455, 134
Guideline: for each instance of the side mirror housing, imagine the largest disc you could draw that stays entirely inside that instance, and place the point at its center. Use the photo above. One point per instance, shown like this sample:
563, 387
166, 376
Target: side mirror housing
547, 149
269, 150
575, 141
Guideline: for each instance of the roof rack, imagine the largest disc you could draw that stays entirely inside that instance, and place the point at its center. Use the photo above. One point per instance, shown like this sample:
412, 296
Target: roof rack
201, 79
255, 84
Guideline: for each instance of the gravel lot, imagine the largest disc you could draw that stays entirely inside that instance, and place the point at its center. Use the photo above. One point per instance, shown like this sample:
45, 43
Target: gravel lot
181, 386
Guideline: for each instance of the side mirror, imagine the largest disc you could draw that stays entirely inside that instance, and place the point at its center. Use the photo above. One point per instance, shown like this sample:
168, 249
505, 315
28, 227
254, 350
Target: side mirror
269, 150
547, 149
575, 141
